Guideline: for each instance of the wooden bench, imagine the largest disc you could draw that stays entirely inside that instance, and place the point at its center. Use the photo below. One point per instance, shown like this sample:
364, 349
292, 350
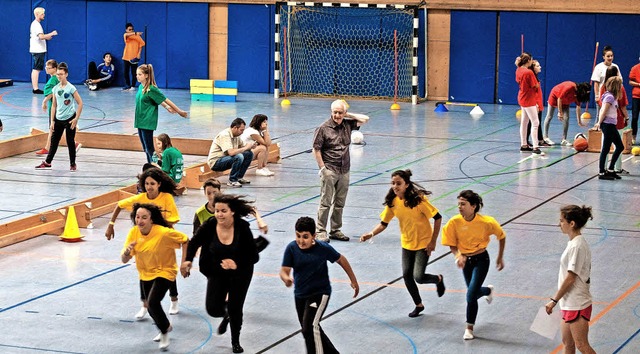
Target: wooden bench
50, 222
89, 209
195, 176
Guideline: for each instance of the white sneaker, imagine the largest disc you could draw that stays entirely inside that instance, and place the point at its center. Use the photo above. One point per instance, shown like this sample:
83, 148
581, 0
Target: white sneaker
158, 337
565, 143
143, 312
164, 341
549, 141
173, 310
489, 297
263, 172
468, 334
271, 173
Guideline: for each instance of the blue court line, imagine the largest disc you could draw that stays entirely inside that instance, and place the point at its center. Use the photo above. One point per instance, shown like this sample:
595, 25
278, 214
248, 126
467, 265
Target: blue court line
37, 349
63, 288
394, 328
626, 342
210, 330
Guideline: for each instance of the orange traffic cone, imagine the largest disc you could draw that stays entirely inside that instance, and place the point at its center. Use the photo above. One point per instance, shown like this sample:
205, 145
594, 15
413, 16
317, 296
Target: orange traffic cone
71, 231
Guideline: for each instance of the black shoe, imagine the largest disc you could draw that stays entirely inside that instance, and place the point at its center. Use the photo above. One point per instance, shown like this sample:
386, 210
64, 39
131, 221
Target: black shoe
222, 328
126, 88
526, 148
536, 151
544, 144
37, 92
440, 286
416, 311
237, 348
606, 176
612, 173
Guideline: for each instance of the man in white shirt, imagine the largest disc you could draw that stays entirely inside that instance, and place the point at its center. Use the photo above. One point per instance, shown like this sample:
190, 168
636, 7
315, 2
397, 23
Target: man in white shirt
38, 47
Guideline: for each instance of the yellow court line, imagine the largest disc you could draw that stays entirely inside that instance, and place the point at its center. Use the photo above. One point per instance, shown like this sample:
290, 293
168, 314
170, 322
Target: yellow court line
605, 310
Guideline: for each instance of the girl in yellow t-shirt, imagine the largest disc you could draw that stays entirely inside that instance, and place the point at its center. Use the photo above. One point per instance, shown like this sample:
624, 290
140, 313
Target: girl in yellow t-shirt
153, 243
408, 202
467, 234
158, 189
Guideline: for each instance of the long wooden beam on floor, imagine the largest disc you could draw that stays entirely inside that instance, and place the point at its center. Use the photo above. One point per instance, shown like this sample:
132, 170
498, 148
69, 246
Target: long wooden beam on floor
23, 144
49, 222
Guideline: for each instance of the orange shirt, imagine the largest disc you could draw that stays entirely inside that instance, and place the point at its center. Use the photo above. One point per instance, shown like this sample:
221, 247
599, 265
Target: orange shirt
529, 87
634, 75
132, 47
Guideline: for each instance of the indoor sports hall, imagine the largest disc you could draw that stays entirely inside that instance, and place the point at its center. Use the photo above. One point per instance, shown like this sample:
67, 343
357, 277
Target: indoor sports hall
78, 297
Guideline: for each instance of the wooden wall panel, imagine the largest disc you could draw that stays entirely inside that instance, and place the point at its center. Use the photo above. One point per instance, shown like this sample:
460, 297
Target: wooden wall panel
218, 38
438, 43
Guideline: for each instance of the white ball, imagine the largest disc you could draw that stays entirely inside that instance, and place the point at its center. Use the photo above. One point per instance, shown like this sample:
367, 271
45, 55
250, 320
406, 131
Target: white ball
357, 137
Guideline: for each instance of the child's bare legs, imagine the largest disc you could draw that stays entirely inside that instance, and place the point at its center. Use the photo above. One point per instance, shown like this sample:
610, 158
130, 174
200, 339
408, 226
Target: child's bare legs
576, 335
260, 154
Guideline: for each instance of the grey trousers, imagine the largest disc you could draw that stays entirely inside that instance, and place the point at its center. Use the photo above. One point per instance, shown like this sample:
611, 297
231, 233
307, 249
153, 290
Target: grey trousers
333, 195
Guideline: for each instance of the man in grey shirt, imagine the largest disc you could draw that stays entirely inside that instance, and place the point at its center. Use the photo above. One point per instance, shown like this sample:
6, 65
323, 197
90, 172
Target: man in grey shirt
331, 150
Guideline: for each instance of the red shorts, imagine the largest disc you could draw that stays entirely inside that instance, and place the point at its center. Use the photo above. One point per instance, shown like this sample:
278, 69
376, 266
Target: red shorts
570, 316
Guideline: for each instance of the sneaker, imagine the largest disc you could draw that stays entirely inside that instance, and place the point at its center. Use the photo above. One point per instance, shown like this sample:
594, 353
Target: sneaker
468, 334
126, 88
536, 151
526, 148
489, 297
244, 181
549, 141
87, 82
322, 236
133, 88
222, 328
158, 337
44, 166
164, 341
173, 309
612, 173
440, 286
268, 170
543, 144
73, 168
93, 87
263, 172
42, 151
237, 348
565, 143
234, 184
37, 92
338, 235
621, 172
606, 176
78, 147
416, 311
143, 312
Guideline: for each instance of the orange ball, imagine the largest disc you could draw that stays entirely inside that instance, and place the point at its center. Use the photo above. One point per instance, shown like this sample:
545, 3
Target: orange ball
585, 115
581, 144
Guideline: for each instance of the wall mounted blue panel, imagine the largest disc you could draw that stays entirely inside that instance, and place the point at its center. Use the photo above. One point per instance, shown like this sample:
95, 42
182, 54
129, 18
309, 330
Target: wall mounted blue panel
421, 53
250, 50
69, 18
570, 47
514, 25
151, 18
621, 32
472, 70
15, 19
187, 43
105, 30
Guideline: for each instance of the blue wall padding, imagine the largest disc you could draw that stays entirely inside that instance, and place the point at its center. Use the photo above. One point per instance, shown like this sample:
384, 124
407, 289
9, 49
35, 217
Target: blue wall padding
105, 23
187, 43
473, 49
250, 50
622, 33
15, 19
68, 17
533, 26
570, 47
421, 53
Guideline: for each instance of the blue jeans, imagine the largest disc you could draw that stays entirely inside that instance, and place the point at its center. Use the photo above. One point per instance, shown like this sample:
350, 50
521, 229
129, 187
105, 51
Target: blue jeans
610, 136
146, 139
475, 271
238, 163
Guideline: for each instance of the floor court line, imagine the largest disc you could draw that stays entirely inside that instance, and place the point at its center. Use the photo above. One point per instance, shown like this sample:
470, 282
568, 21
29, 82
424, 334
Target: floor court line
604, 311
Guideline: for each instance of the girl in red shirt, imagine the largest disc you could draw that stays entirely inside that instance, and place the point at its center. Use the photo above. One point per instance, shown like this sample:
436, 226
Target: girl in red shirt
527, 99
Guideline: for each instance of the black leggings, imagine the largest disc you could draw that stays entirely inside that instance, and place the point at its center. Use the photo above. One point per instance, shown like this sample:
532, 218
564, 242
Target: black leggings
635, 111
310, 310
59, 127
154, 291
173, 289
609, 135
235, 284
128, 67
414, 265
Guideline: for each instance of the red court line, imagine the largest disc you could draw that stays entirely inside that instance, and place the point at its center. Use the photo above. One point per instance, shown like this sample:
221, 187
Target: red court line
12, 105
605, 310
